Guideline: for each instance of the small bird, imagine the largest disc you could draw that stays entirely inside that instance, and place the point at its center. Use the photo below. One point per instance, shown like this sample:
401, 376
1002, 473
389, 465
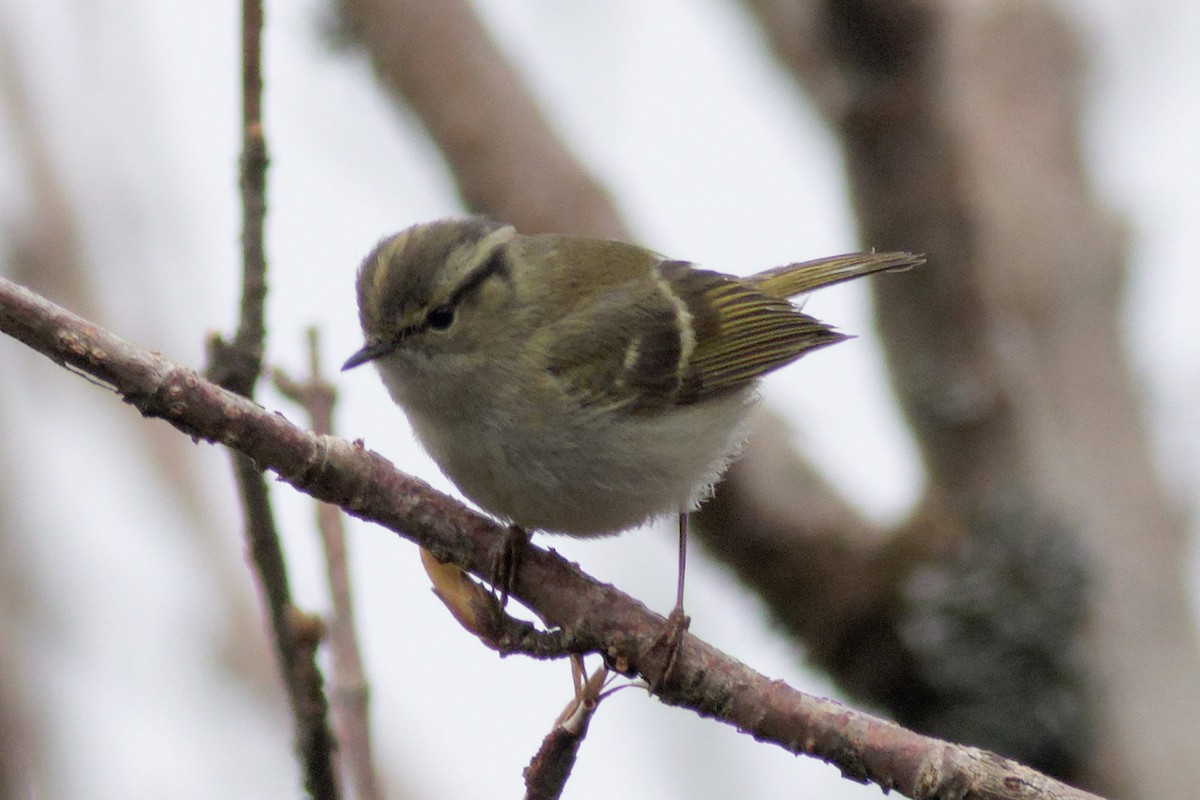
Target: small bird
580, 386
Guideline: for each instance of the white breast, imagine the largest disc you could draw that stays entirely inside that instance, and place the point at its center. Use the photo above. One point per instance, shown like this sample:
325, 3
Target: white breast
584, 472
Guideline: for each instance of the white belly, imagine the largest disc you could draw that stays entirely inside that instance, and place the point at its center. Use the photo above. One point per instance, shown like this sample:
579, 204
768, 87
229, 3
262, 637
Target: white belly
587, 472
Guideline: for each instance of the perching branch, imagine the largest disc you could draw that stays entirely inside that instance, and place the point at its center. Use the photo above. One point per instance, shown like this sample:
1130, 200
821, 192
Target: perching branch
595, 617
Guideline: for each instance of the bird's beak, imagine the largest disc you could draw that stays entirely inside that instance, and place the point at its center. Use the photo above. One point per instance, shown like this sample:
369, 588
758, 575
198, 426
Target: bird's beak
369, 352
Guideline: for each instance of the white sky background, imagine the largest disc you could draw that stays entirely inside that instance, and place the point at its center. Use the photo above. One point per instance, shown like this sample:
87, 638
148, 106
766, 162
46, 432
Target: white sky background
712, 155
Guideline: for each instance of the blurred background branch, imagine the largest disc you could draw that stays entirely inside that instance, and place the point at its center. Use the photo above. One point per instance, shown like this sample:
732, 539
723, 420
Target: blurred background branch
962, 126
350, 700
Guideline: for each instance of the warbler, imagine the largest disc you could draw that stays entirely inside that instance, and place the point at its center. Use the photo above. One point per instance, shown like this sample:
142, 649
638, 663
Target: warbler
574, 385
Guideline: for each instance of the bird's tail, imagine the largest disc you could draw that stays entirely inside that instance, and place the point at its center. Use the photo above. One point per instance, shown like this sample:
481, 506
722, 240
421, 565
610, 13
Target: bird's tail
805, 276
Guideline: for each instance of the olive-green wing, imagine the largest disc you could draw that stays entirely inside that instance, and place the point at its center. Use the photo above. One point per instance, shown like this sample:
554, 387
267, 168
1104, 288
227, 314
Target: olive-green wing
746, 327
793, 279
620, 352
740, 332
693, 334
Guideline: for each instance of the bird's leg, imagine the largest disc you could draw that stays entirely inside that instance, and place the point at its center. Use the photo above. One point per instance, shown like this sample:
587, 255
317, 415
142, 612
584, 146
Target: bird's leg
683, 534
506, 560
677, 622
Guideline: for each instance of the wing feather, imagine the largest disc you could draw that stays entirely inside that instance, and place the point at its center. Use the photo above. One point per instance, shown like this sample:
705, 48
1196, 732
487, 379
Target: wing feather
742, 333
621, 352
644, 346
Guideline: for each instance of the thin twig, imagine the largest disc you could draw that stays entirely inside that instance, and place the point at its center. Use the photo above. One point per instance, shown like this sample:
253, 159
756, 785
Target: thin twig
351, 692
596, 616
548, 771
236, 366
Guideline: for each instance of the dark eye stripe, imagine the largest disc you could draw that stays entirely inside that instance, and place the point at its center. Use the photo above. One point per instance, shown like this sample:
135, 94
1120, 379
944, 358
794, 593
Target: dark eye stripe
441, 317
496, 264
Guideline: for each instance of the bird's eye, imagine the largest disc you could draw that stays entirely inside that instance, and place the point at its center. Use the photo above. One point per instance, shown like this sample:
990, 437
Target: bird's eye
440, 318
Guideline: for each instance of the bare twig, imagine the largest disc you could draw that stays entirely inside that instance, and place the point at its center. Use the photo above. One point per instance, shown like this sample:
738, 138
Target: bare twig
548, 771
350, 690
597, 617
311, 706
236, 366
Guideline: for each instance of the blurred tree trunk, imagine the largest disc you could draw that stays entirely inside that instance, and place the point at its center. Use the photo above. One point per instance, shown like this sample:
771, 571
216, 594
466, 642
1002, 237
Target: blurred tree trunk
961, 126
